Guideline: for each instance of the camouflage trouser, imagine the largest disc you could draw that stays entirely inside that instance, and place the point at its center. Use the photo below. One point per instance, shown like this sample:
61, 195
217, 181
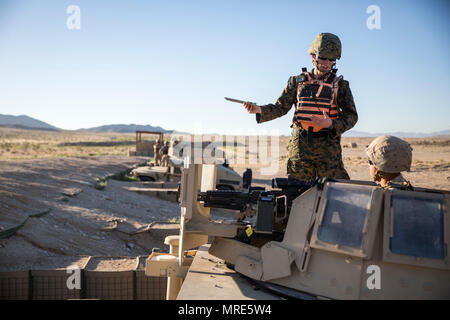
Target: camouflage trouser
157, 159
322, 157
165, 160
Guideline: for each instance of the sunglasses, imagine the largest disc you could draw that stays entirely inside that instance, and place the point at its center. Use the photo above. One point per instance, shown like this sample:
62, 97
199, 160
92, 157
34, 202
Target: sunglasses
332, 60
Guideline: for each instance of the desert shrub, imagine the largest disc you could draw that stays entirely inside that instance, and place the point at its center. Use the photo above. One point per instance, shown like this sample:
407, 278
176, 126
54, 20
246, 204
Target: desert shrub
101, 183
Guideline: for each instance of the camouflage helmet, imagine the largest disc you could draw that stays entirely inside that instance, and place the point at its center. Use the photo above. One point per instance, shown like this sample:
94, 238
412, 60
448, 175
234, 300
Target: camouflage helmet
326, 45
390, 154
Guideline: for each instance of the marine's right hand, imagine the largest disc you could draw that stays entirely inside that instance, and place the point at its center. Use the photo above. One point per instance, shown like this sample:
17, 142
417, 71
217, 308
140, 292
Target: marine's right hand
252, 108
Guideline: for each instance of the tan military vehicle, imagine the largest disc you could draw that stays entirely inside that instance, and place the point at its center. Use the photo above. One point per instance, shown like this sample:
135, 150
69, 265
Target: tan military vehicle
156, 173
226, 179
328, 239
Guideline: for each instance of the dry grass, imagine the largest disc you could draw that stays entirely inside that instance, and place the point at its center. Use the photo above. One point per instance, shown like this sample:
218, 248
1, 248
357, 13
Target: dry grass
18, 144
443, 142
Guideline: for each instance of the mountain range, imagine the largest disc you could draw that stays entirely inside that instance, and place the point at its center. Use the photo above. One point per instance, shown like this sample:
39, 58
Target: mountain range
26, 122
125, 128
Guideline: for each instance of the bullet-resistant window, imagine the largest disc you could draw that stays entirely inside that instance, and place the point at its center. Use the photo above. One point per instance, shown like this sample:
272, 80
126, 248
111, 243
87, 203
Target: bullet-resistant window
417, 226
345, 215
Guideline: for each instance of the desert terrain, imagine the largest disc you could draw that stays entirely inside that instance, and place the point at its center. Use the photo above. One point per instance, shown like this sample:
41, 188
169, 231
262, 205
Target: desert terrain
49, 188
430, 166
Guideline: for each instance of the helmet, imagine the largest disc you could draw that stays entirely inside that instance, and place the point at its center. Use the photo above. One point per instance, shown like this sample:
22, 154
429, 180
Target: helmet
390, 154
326, 45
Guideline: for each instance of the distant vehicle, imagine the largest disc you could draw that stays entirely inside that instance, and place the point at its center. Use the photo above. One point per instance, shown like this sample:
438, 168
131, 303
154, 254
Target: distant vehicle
227, 178
152, 173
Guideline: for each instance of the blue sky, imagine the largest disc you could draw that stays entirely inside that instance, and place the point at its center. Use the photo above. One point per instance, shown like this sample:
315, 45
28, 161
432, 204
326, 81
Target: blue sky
170, 63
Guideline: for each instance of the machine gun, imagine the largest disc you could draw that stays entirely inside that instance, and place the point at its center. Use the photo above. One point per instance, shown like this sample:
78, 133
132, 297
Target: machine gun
271, 207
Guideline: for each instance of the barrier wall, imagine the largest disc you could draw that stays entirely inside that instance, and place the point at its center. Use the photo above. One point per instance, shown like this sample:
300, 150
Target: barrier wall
104, 285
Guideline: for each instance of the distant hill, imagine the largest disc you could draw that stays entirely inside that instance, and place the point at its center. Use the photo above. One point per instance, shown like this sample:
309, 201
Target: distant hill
24, 122
126, 128
399, 134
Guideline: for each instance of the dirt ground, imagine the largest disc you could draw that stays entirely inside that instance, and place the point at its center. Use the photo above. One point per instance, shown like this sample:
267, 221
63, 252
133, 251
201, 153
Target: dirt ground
79, 220
108, 222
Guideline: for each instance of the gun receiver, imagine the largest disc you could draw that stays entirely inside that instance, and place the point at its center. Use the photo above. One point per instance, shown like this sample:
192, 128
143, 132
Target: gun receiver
271, 206
226, 199
239, 200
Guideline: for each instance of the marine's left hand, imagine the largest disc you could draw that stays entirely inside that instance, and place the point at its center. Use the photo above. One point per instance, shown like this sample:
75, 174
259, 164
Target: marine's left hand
324, 122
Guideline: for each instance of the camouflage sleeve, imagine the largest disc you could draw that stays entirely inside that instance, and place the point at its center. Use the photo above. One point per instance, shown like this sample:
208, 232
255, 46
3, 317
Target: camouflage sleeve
282, 105
348, 116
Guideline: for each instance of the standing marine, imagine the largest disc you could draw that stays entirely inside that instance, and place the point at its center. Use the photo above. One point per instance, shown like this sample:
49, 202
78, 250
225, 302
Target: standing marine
324, 110
156, 148
164, 152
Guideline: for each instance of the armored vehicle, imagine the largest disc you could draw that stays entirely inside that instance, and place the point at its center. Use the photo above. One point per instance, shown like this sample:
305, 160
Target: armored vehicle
325, 239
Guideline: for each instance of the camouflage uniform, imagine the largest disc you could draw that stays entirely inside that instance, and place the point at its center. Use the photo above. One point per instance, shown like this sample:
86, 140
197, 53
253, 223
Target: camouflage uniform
164, 152
322, 157
156, 148
399, 180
